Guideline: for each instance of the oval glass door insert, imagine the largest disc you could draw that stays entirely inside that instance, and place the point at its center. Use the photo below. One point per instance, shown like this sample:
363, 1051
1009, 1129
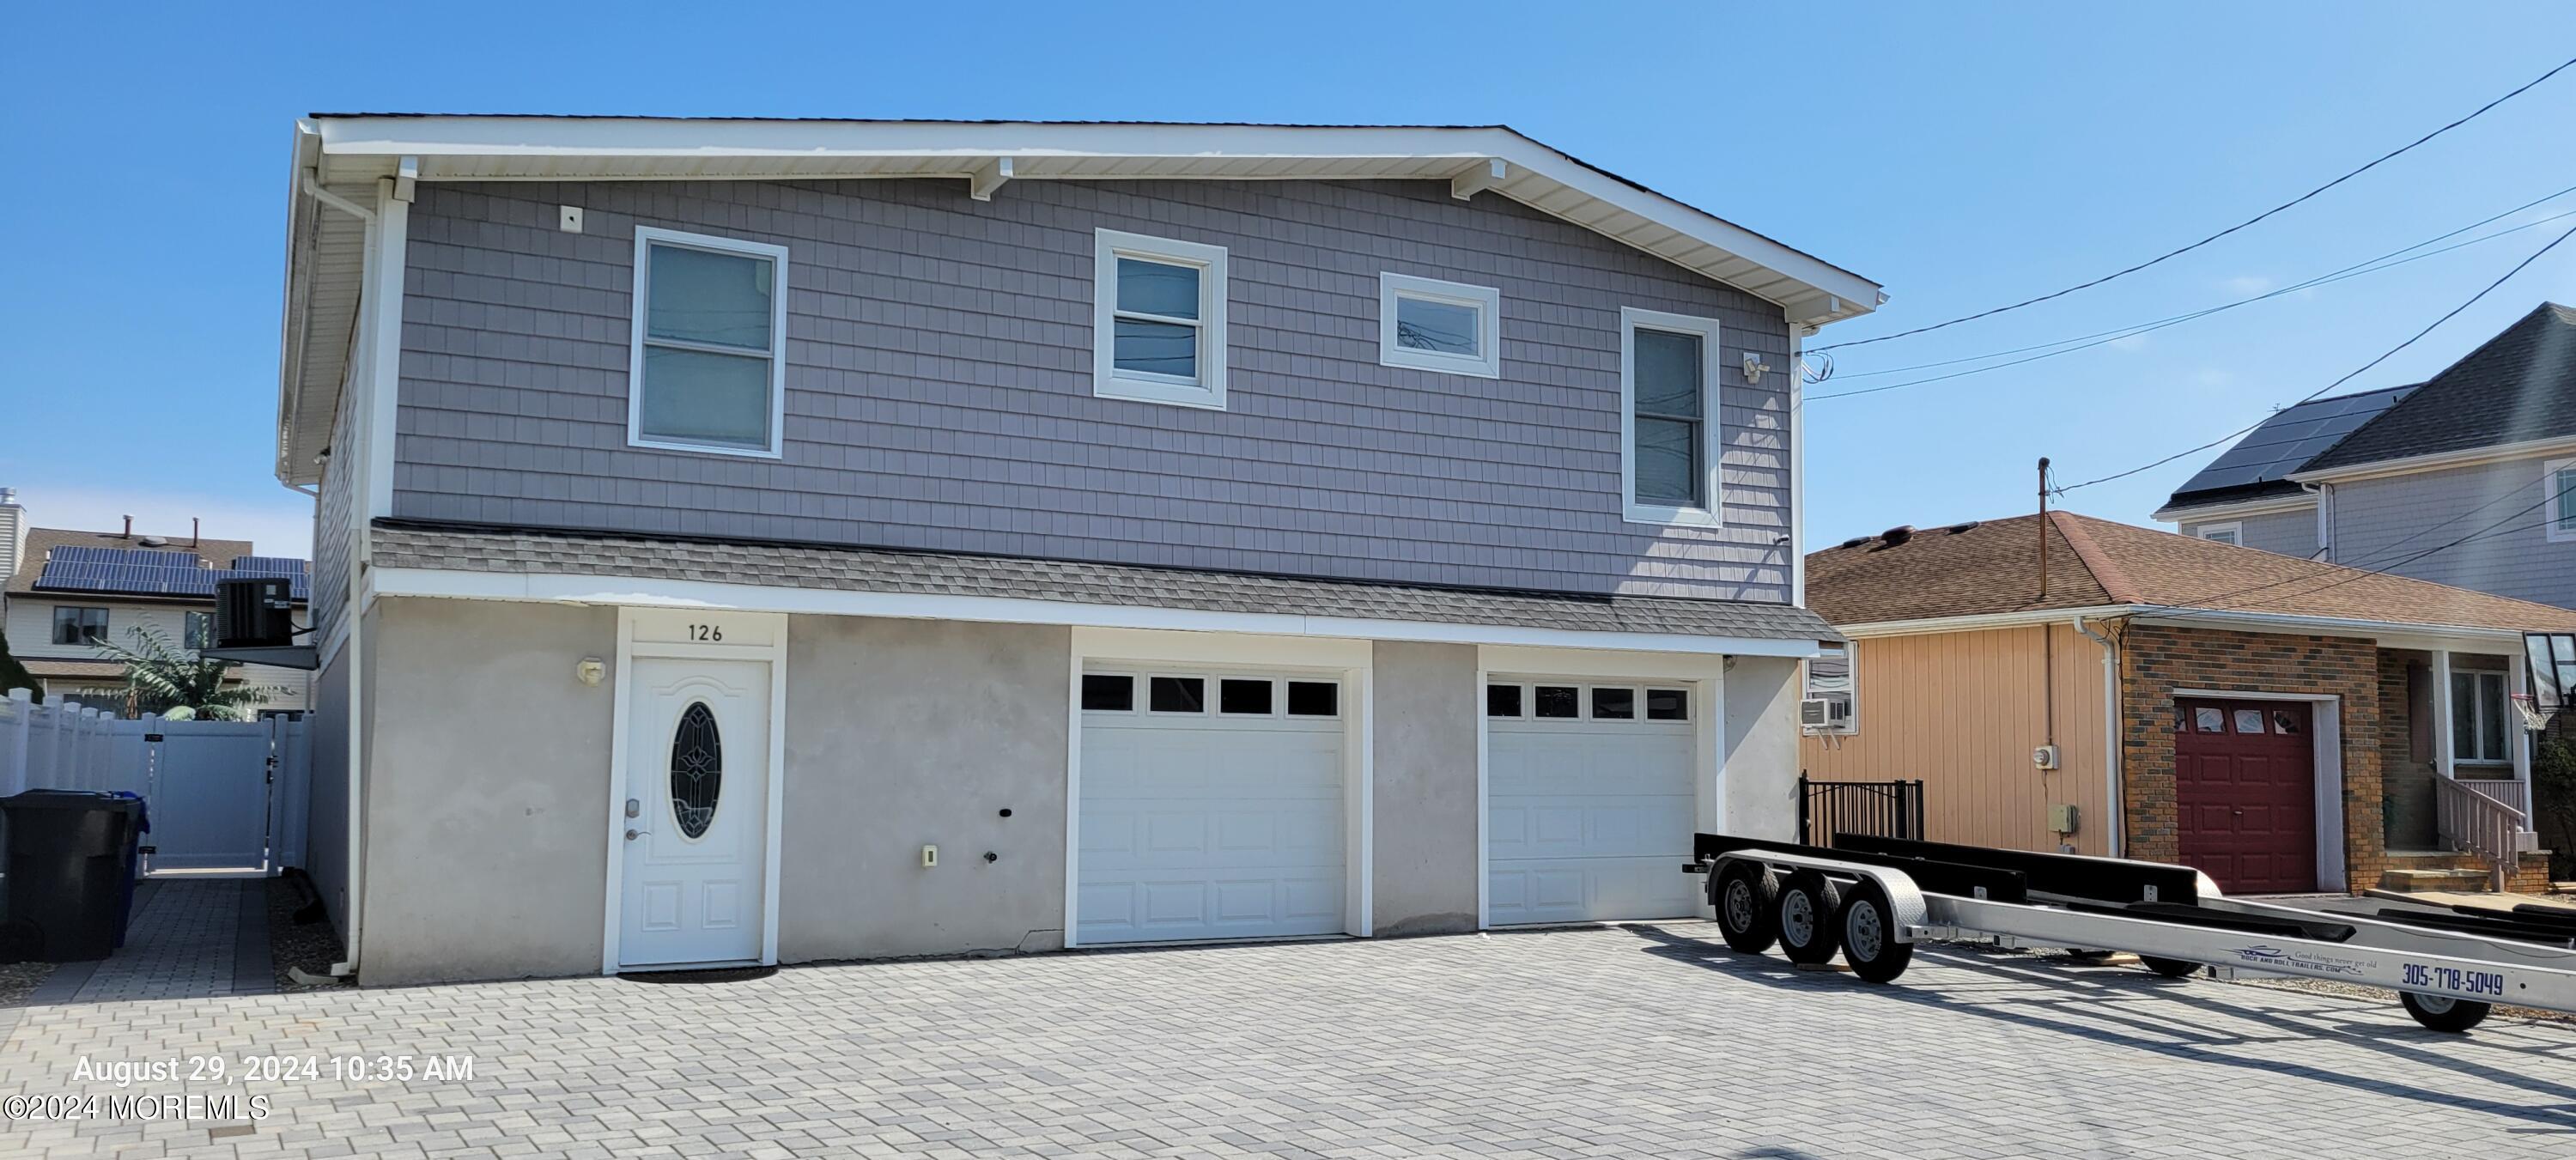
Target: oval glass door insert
697, 770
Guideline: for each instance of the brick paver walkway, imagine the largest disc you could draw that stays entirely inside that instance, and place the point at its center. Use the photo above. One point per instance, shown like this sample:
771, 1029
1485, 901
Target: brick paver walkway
1578, 1043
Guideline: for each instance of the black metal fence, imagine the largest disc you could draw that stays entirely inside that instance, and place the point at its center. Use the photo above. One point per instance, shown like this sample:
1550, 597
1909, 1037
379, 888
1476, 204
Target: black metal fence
1886, 809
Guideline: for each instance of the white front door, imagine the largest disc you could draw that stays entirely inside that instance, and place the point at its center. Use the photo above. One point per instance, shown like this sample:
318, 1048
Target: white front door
695, 812
1590, 800
1211, 807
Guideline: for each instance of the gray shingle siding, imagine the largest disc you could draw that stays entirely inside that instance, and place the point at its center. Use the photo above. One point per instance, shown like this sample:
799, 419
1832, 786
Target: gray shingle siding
939, 386
2380, 522
2289, 533
335, 526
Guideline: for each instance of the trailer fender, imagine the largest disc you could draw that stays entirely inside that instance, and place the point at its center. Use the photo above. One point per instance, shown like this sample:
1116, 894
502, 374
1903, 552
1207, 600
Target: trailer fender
1904, 899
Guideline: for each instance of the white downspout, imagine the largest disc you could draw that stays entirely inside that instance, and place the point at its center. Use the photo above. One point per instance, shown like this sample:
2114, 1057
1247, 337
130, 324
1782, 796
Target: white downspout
2113, 817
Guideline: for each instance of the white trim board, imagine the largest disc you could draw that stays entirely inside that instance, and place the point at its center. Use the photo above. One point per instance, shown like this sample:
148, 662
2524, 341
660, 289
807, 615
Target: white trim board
2470, 457
556, 587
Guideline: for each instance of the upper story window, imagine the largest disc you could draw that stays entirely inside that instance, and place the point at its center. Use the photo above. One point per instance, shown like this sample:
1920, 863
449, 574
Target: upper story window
2559, 479
1439, 326
1668, 412
79, 625
1158, 320
709, 371
200, 631
2232, 534
1830, 680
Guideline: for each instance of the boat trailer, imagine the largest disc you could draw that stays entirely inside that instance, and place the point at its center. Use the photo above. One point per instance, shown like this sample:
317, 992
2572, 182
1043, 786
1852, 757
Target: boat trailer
1872, 898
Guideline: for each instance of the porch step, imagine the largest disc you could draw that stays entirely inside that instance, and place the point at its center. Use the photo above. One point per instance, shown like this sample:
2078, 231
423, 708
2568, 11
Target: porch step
2434, 860
2419, 881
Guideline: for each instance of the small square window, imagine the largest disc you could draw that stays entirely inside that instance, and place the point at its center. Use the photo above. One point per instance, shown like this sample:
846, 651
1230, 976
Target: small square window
1559, 701
1158, 320
1244, 696
1502, 700
1314, 699
1668, 704
1108, 693
1178, 695
2209, 720
2249, 721
1614, 704
1439, 326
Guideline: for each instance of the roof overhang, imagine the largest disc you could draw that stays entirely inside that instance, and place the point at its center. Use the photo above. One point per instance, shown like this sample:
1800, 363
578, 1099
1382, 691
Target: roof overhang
2387, 634
2263, 506
344, 156
2440, 461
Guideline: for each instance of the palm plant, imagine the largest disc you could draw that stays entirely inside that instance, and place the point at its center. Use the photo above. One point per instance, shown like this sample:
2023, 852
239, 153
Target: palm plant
160, 678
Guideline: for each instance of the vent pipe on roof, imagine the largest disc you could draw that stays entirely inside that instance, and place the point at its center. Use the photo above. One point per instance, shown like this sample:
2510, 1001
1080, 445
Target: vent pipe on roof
195, 524
129, 527
2043, 527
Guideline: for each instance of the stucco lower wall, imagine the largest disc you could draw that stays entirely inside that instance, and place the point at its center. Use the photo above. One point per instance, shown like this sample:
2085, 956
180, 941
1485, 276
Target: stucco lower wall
1760, 777
488, 766
1423, 700
905, 733
326, 824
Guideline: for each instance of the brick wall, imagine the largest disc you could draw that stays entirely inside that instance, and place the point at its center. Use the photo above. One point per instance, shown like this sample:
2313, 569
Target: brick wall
2156, 660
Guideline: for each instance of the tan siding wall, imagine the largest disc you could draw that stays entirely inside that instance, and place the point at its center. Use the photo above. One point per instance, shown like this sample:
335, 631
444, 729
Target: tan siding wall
1963, 711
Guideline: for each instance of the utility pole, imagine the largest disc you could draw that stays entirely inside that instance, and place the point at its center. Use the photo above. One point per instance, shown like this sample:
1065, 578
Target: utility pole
2043, 527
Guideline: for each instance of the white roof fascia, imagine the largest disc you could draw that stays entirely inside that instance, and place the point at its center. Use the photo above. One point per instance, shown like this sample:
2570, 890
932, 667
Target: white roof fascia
2468, 457
2267, 505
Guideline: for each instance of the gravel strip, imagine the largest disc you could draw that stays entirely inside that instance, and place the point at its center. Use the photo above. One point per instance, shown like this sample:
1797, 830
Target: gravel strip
312, 946
18, 980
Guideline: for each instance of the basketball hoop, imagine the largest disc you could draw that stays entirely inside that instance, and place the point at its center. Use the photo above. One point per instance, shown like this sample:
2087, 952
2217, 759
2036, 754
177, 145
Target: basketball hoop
2532, 719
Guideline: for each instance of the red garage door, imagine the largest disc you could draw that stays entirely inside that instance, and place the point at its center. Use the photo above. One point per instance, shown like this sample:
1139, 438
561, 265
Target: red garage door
2245, 793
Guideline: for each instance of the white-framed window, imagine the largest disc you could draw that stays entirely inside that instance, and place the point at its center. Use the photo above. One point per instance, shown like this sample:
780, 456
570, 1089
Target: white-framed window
1432, 325
1668, 467
1158, 320
2479, 717
1832, 677
2558, 477
2231, 534
709, 367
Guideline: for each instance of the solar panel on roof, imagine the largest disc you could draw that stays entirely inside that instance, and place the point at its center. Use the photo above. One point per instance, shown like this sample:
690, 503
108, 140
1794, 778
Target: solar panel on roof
270, 565
87, 554
2289, 439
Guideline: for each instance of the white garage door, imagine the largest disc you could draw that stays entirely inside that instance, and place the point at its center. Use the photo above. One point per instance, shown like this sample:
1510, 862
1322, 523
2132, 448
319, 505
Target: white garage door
1211, 807
1589, 801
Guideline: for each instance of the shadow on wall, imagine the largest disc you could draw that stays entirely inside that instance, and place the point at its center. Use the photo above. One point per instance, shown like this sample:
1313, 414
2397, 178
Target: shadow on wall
2553, 795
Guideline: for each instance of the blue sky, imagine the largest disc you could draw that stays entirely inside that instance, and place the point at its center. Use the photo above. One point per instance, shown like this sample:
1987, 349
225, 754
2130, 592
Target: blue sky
1964, 157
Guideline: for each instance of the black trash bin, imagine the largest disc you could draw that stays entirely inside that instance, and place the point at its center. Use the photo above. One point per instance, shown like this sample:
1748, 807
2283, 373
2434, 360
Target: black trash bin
71, 870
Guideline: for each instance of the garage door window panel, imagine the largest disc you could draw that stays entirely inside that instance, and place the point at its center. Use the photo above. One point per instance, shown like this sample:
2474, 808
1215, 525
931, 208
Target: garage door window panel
1314, 699
1245, 697
1668, 704
1177, 695
1503, 700
1614, 704
1108, 693
1558, 701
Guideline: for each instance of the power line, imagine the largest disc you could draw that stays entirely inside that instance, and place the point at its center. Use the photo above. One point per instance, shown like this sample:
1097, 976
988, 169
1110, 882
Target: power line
2366, 266
2175, 253
2372, 266
2211, 603
2348, 377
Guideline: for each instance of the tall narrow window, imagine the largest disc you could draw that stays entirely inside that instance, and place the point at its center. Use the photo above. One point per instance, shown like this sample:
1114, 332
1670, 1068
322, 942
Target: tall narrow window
708, 370
1158, 320
1667, 375
200, 630
2478, 711
2558, 484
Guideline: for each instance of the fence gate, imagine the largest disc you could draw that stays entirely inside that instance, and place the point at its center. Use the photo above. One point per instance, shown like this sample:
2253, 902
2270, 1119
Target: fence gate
208, 783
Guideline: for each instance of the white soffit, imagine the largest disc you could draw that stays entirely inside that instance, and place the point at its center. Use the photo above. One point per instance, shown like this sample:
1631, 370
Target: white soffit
351, 151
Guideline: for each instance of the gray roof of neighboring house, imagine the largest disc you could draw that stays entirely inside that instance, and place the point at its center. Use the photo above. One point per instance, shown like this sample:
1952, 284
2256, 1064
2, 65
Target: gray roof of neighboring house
2516, 387
412, 544
2260, 463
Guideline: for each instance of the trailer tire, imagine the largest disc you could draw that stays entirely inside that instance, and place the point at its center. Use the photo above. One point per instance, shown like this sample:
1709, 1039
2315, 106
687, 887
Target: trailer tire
1868, 927
1746, 894
1810, 918
2440, 1013
2170, 968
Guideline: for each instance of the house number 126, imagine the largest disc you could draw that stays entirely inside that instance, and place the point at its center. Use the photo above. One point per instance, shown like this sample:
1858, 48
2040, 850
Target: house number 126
708, 632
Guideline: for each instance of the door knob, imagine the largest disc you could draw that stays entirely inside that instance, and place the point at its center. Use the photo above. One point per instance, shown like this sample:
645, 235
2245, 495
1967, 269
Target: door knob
632, 833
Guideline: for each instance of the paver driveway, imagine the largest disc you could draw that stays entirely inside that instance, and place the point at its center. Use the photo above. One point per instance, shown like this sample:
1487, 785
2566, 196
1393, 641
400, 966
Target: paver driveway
1641, 1041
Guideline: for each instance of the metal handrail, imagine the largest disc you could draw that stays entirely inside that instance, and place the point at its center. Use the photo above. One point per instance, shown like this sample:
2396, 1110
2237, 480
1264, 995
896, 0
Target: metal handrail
1887, 809
2473, 822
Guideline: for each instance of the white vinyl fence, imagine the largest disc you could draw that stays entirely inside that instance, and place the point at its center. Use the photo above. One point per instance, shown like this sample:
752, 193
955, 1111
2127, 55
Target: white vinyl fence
223, 796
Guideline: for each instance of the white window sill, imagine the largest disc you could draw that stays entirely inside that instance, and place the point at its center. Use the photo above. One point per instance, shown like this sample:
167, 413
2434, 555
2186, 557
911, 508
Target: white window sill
1145, 390
1681, 517
707, 449
1453, 364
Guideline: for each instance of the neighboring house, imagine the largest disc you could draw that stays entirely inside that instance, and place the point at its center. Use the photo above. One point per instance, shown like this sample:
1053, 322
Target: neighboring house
2282, 725
745, 541
72, 590
2483, 453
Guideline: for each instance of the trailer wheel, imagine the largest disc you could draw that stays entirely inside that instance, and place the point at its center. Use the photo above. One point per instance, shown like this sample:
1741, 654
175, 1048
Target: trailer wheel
2441, 1013
1809, 910
2170, 968
1746, 894
1869, 935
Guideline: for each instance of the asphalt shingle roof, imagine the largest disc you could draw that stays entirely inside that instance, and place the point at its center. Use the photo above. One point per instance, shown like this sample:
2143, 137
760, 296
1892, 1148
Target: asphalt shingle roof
2518, 386
406, 544
1994, 567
